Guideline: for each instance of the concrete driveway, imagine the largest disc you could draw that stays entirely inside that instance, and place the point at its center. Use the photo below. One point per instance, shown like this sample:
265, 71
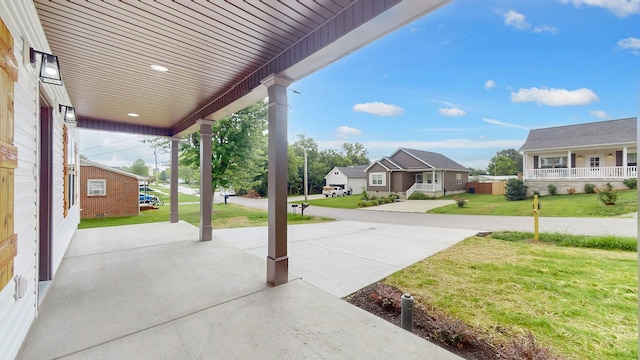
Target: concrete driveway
412, 206
344, 256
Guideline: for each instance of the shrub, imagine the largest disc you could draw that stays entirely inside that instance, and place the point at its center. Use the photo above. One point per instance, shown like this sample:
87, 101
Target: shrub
536, 192
419, 196
552, 189
589, 188
571, 191
608, 195
460, 201
365, 196
515, 190
631, 183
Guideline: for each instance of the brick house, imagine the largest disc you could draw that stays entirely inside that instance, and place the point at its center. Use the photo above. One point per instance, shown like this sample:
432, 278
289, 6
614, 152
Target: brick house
107, 192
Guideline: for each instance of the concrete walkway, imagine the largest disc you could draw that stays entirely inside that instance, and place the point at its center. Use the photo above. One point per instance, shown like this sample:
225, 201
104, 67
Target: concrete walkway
152, 291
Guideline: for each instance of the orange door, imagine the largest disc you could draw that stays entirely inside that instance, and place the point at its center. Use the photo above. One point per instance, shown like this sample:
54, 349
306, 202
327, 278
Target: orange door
8, 156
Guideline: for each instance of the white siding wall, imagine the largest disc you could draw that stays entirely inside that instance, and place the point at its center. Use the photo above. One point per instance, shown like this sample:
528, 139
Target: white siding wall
17, 315
357, 185
333, 179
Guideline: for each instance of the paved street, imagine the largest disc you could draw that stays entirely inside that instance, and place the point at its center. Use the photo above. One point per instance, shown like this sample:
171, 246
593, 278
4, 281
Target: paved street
578, 226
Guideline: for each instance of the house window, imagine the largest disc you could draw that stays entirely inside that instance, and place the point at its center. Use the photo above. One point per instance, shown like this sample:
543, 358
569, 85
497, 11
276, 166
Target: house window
458, 179
96, 187
632, 159
594, 161
376, 179
553, 162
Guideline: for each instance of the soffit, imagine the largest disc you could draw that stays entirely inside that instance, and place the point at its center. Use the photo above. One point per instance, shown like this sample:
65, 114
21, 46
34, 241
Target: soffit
210, 47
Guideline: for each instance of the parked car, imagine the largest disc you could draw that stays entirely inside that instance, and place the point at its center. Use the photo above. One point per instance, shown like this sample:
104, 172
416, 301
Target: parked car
228, 192
145, 188
333, 191
150, 199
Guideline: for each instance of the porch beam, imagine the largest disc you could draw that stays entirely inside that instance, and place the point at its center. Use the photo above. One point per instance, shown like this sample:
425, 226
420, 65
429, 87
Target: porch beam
277, 259
173, 190
206, 192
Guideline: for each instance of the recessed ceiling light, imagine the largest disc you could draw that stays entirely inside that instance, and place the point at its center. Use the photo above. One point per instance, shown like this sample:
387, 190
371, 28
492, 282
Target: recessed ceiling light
159, 68
133, 114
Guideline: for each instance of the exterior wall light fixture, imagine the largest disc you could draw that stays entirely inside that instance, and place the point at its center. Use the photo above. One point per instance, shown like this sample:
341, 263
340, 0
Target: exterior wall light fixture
69, 113
49, 67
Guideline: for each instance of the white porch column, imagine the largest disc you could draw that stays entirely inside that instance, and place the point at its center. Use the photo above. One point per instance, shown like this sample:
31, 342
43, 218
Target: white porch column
625, 161
524, 167
277, 259
569, 160
206, 193
173, 190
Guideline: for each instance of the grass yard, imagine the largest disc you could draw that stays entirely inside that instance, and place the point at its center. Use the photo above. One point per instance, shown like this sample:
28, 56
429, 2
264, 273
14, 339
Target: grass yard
340, 202
580, 302
224, 216
577, 205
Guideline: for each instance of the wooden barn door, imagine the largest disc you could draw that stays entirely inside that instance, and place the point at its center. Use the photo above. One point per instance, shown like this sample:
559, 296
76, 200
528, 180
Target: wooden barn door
8, 156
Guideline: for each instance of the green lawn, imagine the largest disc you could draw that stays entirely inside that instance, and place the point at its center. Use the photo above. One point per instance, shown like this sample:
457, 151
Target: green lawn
340, 202
224, 216
580, 302
577, 205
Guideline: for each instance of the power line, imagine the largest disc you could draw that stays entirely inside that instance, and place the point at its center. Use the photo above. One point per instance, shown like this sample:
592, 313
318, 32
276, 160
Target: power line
114, 142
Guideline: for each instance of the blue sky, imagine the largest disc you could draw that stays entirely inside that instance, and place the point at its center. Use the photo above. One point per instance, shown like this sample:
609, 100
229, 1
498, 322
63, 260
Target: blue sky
467, 80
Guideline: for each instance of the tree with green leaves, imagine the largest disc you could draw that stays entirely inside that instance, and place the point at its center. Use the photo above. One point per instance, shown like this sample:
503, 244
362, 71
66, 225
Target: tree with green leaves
476, 172
188, 174
502, 165
159, 145
514, 155
139, 168
239, 148
356, 153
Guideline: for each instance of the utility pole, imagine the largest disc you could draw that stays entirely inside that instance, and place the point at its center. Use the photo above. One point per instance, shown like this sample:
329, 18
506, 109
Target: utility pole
306, 178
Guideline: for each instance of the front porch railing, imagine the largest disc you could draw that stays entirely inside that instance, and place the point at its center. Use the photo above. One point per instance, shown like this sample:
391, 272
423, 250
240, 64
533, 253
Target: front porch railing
616, 172
423, 187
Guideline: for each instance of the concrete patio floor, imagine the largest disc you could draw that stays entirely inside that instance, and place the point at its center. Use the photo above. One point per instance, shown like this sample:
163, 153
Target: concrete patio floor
153, 292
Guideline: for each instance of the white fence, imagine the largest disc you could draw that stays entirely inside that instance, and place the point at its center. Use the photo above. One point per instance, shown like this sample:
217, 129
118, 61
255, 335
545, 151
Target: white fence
616, 172
423, 187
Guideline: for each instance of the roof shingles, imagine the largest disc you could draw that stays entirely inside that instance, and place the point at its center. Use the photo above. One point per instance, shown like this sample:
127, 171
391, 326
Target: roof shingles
594, 133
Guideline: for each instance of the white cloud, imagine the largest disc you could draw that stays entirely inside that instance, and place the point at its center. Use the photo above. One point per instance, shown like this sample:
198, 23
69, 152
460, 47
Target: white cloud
516, 20
452, 111
545, 28
631, 43
344, 131
444, 144
600, 114
378, 108
519, 22
620, 8
555, 97
503, 124
489, 84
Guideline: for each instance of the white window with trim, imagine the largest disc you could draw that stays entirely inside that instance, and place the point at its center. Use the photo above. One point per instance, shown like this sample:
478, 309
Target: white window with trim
377, 179
96, 187
632, 159
458, 179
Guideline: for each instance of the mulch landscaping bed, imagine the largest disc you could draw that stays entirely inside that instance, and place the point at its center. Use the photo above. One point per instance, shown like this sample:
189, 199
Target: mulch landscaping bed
452, 334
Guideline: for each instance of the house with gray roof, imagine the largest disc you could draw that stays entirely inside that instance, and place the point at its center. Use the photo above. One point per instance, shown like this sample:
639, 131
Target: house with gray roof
351, 178
572, 155
407, 171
